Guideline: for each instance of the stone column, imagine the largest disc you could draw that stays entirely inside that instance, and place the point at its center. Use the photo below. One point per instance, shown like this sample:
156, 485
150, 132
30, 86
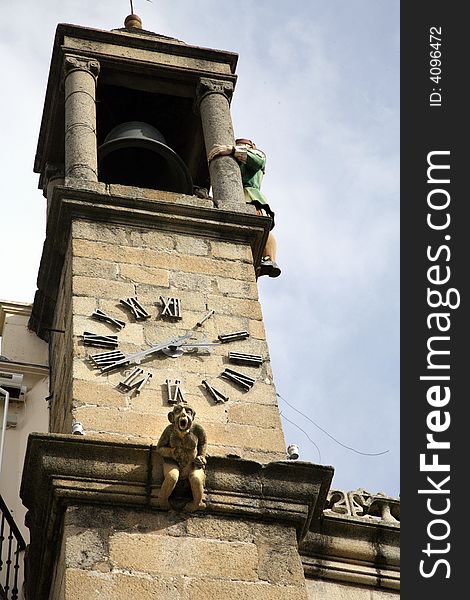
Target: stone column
81, 161
214, 97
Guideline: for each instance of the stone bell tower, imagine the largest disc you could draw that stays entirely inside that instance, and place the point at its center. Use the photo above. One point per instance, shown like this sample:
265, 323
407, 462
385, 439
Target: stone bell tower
147, 297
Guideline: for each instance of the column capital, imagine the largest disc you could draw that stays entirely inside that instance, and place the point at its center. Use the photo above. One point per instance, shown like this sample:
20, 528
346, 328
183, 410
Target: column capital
80, 63
208, 86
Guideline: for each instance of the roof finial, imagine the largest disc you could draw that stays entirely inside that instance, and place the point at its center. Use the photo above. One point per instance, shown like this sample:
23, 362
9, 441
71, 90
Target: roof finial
132, 21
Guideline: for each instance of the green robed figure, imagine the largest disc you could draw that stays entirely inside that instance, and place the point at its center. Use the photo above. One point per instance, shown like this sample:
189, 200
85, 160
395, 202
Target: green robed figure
252, 166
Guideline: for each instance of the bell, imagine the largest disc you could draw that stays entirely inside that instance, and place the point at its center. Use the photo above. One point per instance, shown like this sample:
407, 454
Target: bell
136, 153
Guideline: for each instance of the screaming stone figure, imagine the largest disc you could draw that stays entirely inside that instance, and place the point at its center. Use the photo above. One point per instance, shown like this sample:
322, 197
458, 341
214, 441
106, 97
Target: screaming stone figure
183, 448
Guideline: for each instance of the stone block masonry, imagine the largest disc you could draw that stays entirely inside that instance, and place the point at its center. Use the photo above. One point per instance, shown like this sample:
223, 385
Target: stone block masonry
61, 349
109, 262
177, 556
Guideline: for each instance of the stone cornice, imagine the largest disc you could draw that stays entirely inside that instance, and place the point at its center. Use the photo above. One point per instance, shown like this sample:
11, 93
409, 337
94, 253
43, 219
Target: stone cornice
353, 550
151, 42
137, 207
62, 470
13, 308
24, 368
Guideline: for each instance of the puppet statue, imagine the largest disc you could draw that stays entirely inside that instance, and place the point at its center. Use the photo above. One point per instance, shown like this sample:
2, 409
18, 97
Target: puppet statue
252, 162
182, 446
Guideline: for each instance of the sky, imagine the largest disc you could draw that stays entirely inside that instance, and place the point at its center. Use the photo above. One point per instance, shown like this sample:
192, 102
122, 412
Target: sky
318, 91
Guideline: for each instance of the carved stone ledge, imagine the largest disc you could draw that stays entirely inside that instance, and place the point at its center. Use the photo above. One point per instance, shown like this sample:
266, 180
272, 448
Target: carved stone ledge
357, 541
287, 492
63, 470
351, 572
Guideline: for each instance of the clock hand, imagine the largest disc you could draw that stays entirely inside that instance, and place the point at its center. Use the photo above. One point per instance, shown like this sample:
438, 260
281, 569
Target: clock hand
223, 339
109, 361
175, 350
203, 344
171, 343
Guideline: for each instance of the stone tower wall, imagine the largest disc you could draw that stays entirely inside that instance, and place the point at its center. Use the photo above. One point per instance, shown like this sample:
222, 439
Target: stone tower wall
61, 353
118, 554
105, 263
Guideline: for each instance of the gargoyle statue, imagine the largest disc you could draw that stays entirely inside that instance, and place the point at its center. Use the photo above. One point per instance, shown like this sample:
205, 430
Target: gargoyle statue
182, 446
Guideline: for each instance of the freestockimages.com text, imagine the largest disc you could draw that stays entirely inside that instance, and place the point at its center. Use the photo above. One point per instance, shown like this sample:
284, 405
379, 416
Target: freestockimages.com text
441, 299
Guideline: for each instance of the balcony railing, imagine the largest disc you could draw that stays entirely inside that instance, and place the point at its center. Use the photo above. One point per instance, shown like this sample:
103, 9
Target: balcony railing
12, 545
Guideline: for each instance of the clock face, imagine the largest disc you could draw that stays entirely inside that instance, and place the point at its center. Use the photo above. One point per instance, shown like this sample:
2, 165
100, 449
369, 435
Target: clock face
132, 365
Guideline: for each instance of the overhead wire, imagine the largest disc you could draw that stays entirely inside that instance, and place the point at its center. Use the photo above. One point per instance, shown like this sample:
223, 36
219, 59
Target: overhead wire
326, 432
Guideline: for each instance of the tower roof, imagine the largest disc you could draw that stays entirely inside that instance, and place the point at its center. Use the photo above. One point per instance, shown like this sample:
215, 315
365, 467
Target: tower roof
136, 56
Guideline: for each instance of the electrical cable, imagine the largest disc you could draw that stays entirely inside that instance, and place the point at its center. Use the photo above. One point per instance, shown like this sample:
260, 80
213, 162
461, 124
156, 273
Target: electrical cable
328, 434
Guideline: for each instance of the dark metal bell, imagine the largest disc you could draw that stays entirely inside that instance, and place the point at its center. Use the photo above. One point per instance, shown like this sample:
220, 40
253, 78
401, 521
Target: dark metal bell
135, 153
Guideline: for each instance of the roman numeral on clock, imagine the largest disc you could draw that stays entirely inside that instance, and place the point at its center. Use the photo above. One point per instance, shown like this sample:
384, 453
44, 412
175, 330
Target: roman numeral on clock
216, 395
136, 309
107, 361
254, 360
239, 378
135, 380
232, 337
99, 341
100, 315
171, 307
175, 395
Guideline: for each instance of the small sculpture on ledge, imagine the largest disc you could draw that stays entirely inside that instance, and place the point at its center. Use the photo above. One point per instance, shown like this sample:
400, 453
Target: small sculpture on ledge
182, 446
362, 504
